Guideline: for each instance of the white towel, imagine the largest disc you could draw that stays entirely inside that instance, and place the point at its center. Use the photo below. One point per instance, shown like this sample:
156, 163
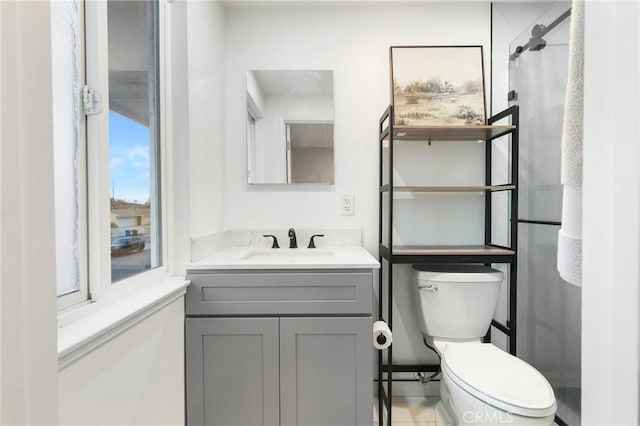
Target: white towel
570, 235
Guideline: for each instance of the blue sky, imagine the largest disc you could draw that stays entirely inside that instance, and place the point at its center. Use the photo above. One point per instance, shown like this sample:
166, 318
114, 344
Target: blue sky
129, 159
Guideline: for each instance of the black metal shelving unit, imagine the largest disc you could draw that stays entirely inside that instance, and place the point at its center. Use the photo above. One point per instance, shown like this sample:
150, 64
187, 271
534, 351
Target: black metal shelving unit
488, 253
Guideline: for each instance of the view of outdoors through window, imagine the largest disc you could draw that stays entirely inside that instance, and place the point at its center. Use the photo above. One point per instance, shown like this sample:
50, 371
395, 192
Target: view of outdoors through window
133, 138
130, 196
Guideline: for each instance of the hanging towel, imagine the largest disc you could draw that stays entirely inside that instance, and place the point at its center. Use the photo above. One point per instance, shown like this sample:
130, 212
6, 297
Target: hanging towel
570, 234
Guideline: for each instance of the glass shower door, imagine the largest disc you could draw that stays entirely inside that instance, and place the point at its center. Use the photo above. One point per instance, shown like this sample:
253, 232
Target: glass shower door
549, 309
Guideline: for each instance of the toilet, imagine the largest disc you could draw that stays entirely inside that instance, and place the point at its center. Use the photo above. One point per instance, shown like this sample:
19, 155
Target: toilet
480, 384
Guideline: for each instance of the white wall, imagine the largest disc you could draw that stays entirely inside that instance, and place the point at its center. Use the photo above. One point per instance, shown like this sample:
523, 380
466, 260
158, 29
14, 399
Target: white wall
206, 82
611, 228
135, 379
354, 41
27, 278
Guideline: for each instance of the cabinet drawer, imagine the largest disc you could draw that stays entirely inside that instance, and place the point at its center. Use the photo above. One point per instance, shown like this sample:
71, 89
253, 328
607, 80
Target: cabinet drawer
280, 293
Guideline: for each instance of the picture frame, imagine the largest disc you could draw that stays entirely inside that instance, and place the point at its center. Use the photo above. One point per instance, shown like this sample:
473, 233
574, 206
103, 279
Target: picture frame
438, 85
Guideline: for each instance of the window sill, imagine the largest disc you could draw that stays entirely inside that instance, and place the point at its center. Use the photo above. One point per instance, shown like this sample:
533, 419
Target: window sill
90, 326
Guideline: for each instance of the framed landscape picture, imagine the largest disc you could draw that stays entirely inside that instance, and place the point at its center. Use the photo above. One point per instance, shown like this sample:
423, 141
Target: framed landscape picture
437, 85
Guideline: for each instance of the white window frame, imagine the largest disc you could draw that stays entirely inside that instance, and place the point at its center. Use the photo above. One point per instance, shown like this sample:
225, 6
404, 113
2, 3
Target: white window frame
82, 294
251, 146
98, 262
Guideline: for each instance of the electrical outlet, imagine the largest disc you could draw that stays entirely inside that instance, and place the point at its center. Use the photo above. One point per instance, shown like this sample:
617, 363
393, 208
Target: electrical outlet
347, 207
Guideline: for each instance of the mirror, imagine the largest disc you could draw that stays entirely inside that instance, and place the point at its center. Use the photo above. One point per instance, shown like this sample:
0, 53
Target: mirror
290, 127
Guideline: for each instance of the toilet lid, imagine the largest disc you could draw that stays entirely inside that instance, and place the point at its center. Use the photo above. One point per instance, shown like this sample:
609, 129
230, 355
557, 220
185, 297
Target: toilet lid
499, 379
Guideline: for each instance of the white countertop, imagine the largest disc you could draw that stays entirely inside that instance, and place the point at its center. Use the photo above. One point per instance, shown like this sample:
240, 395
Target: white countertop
251, 257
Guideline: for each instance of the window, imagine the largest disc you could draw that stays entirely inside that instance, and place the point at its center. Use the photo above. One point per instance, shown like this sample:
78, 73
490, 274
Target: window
133, 136
107, 145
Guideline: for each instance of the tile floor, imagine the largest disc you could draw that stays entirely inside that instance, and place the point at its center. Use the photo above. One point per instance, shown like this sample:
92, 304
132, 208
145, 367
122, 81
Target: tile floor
411, 411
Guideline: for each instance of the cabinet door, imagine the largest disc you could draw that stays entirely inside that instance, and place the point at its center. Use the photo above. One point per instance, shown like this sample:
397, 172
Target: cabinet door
326, 371
232, 371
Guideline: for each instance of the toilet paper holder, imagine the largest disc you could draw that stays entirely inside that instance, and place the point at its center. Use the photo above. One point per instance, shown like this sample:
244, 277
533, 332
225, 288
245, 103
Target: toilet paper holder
382, 337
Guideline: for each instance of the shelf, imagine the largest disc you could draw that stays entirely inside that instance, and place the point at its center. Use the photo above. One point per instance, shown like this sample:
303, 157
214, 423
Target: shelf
450, 188
450, 250
448, 133
485, 254
448, 254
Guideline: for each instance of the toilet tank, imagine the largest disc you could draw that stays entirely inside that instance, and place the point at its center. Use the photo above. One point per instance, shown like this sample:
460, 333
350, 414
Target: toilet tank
455, 301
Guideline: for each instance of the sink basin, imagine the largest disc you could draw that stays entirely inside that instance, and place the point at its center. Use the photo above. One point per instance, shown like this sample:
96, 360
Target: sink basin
289, 255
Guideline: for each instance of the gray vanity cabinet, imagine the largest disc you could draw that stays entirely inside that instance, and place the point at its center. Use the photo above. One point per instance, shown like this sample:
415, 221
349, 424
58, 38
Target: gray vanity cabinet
325, 371
296, 352
232, 371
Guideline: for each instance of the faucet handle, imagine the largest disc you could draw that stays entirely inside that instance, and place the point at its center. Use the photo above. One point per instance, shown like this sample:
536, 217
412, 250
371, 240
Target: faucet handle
312, 244
275, 241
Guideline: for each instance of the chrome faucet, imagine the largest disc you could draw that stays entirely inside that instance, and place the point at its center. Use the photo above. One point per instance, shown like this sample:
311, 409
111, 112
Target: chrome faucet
293, 242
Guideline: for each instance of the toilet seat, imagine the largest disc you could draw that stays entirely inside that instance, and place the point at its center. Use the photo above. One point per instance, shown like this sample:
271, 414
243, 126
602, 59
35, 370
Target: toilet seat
499, 379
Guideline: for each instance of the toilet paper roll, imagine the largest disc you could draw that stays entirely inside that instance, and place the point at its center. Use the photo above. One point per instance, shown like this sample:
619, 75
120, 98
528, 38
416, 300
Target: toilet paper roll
381, 335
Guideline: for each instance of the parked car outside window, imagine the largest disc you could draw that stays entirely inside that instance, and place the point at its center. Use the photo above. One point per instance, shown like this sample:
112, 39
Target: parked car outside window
126, 245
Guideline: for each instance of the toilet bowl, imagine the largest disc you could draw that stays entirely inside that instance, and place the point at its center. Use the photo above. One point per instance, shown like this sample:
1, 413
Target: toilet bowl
480, 384
485, 385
